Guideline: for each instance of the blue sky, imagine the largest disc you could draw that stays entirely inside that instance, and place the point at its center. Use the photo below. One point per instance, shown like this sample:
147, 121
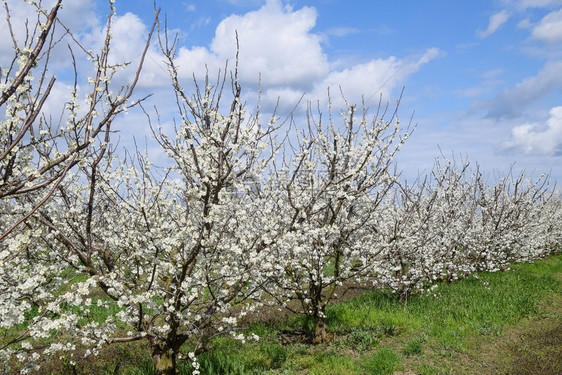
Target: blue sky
484, 77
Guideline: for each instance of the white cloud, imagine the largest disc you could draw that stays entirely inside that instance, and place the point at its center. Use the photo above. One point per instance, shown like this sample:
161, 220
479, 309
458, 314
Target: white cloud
492, 73
496, 21
384, 29
542, 139
374, 78
76, 15
511, 103
489, 85
60, 94
278, 45
275, 41
129, 39
525, 4
341, 31
129, 34
203, 21
369, 76
549, 28
193, 61
79, 16
245, 2
524, 24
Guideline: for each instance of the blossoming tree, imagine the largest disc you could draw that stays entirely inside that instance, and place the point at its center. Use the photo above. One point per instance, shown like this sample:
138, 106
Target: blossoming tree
452, 223
35, 152
161, 255
327, 192
36, 155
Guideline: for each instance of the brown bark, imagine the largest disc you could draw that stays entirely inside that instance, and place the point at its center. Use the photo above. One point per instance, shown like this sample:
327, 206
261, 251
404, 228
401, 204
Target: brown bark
319, 331
164, 362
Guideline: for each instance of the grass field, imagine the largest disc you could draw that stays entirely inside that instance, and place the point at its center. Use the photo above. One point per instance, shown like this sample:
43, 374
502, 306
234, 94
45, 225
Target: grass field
507, 322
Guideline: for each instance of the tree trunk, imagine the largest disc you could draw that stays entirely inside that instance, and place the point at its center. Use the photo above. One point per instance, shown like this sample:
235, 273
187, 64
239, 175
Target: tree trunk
164, 362
319, 333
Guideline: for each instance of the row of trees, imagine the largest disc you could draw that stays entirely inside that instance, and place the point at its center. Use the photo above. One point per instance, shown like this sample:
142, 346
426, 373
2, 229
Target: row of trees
101, 248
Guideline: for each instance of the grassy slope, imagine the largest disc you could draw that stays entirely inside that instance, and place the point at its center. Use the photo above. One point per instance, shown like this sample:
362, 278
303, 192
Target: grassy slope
499, 323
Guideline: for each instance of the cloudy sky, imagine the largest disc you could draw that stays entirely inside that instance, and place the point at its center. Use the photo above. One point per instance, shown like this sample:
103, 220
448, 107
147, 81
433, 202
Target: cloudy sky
484, 77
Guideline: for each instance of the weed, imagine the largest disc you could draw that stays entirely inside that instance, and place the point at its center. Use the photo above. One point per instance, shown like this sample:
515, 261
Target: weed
276, 355
487, 328
383, 361
414, 346
219, 362
145, 367
363, 338
388, 328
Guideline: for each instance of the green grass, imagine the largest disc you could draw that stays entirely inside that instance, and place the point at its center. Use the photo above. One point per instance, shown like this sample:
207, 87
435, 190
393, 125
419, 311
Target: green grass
383, 361
413, 346
376, 333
